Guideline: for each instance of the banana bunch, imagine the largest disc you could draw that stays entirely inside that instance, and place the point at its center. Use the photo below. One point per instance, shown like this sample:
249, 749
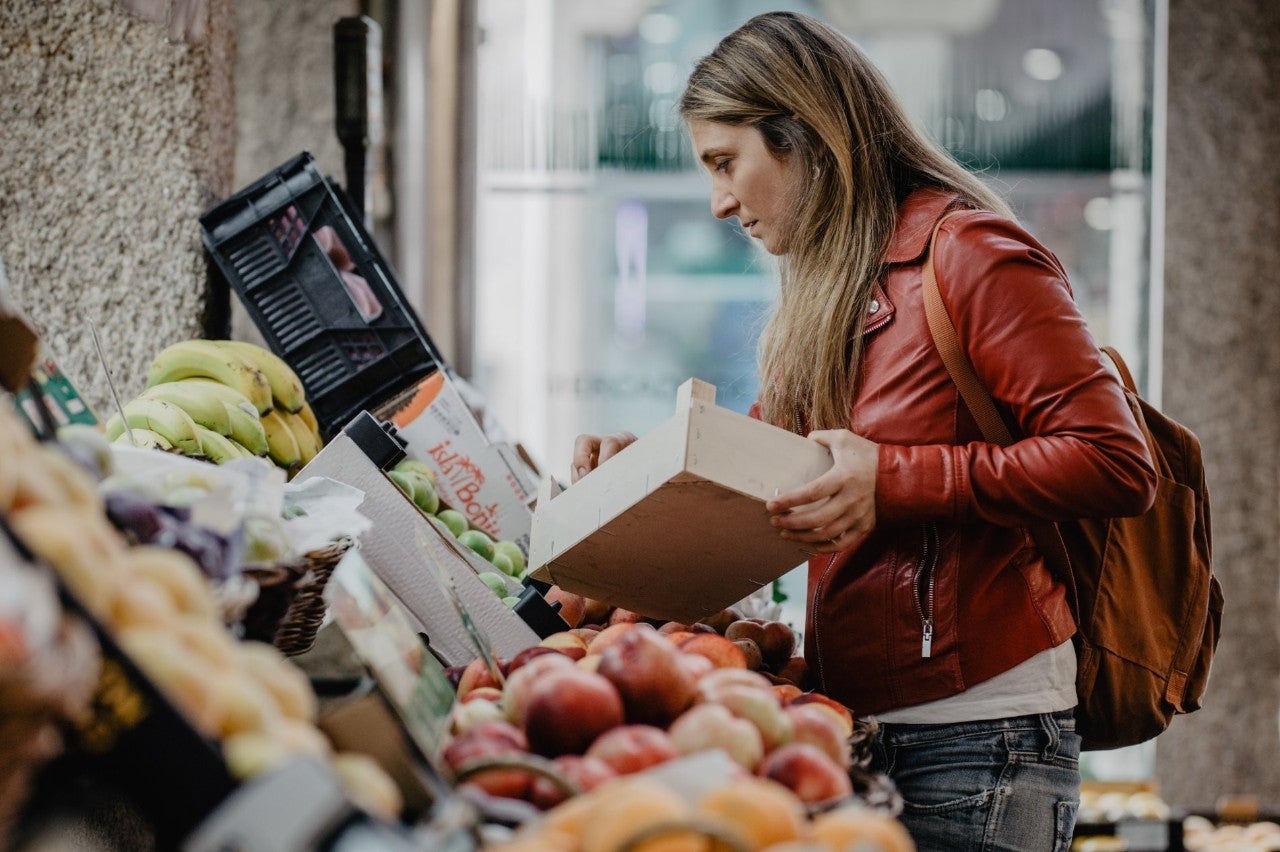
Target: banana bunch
221, 400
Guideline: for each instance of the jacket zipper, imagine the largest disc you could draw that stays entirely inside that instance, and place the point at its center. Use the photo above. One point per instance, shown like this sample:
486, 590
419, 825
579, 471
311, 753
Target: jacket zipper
817, 636
924, 585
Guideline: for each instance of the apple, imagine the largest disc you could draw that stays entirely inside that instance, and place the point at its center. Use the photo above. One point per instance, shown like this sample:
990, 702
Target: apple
721, 620
573, 647
474, 675
624, 616
512, 551
751, 654
586, 632
479, 541
585, 773
723, 653
630, 748
707, 726
482, 693
646, 669
516, 692
496, 583
713, 681
786, 692
611, 634
596, 612
572, 606
794, 670
832, 706
817, 726
696, 665
808, 772
745, 629
466, 715
566, 709
526, 655
503, 564
485, 740
778, 643
453, 519
761, 708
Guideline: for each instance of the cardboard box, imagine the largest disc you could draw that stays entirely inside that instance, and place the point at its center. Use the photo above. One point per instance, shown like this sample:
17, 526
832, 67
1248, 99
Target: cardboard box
674, 526
397, 547
486, 482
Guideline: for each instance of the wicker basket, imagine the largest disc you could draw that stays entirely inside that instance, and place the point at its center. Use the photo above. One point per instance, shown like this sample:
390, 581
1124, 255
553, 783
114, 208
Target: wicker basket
290, 607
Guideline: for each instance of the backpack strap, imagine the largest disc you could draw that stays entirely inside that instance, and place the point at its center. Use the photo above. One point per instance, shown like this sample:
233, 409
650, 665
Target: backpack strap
976, 398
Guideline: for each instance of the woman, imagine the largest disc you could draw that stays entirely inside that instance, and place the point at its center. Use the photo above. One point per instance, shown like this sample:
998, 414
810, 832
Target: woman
929, 608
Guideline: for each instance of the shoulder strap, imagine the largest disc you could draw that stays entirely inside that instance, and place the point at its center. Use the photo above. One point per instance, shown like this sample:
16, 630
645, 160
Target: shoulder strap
976, 398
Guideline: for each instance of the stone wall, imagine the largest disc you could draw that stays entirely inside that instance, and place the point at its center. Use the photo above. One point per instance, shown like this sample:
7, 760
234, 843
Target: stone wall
1222, 372
115, 133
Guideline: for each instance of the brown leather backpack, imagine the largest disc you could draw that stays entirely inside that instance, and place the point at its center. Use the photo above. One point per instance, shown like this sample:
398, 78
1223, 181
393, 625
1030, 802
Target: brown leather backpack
1142, 589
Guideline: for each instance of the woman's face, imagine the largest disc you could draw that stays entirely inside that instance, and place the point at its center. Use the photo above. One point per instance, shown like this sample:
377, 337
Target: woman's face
747, 180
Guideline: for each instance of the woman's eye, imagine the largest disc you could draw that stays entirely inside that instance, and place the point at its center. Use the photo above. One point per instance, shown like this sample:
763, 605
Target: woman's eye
722, 165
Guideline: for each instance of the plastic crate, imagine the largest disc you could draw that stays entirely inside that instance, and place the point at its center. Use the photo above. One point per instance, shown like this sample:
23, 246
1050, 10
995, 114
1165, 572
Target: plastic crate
351, 344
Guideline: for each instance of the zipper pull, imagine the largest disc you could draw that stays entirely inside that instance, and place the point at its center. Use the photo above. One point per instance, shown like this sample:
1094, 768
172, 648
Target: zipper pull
926, 641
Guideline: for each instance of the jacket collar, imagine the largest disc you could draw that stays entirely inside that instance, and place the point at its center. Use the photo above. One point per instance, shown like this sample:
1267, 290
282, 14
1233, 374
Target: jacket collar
916, 218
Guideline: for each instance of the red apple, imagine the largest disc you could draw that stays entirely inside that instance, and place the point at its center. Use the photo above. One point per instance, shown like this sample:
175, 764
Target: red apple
566, 709
524, 656
468, 714
595, 612
586, 633
833, 706
722, 653
762, 708
785, 692
574, 647
778, 643
696, 665
794, 670
572, 606
711, 682
668, 627
707, 726
611, 634
476, 674
807, 771
630, 748
516, 692
720, 621
819, 727
585, 773
646, 669
486, 740
482, 693
624, 616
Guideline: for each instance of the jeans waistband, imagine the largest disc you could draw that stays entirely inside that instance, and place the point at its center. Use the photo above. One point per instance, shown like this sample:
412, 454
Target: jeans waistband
900, 733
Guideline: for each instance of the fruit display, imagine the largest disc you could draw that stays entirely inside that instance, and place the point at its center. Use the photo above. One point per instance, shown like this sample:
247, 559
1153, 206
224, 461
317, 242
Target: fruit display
417, 481
221, 400
159, 607
599, 707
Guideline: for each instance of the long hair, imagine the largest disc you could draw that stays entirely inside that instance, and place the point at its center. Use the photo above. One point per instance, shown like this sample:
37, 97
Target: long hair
813, 95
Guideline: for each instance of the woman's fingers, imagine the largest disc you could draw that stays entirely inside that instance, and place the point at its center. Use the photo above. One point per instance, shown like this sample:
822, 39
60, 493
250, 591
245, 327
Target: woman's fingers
591, 451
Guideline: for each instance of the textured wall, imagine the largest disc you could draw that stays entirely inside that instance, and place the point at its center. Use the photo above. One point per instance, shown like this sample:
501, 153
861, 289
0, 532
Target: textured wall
1222, 371
284, 94
113, 138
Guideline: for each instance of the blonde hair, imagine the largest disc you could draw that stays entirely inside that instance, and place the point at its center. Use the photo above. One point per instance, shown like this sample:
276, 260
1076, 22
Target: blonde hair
815, 96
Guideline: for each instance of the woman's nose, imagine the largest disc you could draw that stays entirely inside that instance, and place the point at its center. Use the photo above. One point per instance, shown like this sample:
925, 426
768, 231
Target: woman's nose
723, 204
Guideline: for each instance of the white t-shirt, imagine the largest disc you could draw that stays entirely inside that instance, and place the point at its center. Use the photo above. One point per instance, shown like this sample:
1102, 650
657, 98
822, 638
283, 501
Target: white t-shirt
1046, 683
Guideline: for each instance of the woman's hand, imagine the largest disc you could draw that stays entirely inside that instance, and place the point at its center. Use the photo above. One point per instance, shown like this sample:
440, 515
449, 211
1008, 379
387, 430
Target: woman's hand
591, 451
838, 509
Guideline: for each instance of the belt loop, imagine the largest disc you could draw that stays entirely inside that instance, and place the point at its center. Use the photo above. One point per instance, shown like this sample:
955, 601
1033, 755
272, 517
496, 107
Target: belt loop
1050, 724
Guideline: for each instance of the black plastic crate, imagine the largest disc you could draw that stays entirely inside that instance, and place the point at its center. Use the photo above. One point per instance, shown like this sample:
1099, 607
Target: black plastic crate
352, 345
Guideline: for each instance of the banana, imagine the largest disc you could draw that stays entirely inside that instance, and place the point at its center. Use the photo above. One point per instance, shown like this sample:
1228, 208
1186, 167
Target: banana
246, 425
309, 417
205, 409
307, 445
164, 418
217, 448
286, 387
205, 358
143, 438
282, 446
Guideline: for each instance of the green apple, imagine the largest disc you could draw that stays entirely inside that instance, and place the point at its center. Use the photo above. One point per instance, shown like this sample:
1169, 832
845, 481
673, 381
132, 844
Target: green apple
496, 583
424, 493
403, 481
513, 552
454, 520
502, 563
511, 601
479, 541
415, 466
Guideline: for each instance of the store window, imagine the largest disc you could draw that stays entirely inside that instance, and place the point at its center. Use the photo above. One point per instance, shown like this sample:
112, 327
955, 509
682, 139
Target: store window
602, 280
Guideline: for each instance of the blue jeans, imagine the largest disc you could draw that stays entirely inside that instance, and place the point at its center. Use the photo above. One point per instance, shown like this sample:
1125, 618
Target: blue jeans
1000, 784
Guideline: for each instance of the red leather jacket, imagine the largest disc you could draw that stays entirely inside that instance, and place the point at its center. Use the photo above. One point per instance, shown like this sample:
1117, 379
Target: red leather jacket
949, 548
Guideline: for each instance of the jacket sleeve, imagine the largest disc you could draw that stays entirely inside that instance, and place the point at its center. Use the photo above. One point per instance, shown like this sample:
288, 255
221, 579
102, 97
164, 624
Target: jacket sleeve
1081, 454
